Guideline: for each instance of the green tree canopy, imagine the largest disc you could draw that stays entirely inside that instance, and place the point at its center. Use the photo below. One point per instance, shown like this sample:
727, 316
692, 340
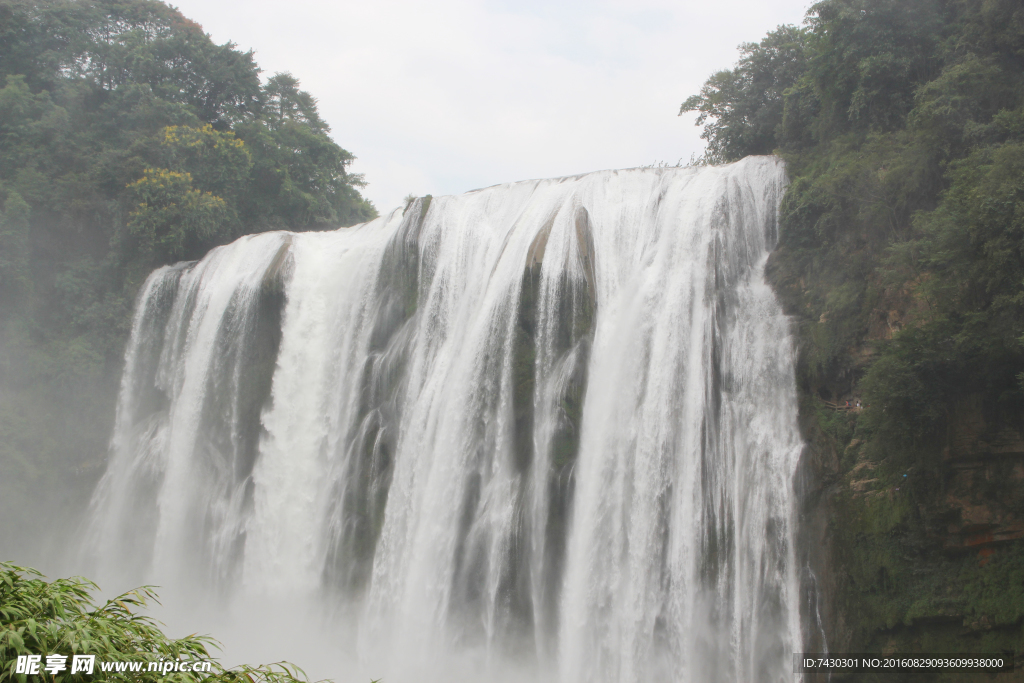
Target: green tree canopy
741, 108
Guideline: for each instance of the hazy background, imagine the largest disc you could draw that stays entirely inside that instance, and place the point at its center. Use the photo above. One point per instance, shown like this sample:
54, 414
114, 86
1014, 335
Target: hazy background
449, 96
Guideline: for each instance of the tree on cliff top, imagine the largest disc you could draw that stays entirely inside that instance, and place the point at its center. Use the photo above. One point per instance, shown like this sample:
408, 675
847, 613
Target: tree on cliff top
741, 108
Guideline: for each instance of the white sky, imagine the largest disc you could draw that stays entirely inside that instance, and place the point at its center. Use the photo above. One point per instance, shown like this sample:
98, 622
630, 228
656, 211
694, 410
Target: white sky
447, 96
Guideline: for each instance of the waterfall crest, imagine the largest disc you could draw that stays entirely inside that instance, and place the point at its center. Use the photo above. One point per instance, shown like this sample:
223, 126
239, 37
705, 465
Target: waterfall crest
551, 422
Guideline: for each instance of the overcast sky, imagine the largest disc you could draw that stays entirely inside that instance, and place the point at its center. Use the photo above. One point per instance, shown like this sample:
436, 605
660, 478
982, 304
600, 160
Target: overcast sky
447, 96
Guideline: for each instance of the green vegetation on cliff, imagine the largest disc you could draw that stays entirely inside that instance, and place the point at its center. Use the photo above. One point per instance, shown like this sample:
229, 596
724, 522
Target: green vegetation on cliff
128, 140
900, 254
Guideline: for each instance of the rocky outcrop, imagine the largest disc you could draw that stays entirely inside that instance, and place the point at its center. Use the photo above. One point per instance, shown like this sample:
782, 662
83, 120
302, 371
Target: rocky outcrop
983, 505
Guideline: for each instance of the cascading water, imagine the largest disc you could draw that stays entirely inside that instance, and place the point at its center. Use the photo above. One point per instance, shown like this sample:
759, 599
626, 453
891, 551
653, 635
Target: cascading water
550, 424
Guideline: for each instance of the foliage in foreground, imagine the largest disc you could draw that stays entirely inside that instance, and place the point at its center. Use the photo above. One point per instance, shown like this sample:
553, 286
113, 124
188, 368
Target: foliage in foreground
60, 617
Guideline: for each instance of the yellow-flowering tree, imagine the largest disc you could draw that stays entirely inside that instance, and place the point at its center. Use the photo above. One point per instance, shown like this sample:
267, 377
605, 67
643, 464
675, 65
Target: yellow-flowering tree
169, 214
218, 161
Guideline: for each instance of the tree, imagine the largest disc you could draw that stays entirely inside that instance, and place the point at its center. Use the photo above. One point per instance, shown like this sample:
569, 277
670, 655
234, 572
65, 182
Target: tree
113, 43
299, 176
742, 108
218, 161
169, 214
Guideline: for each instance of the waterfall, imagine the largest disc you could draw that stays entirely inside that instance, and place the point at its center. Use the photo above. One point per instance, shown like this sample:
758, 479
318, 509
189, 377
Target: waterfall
548, 425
